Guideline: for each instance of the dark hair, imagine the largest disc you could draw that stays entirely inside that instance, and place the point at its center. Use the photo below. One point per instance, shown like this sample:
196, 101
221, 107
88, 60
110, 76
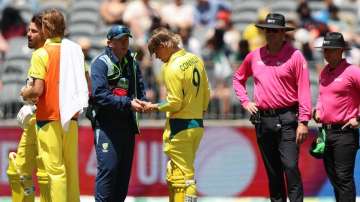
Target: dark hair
10, 17
37, 19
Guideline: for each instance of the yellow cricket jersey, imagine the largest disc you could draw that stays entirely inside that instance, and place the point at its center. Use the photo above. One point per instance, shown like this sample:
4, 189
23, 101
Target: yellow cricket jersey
187, 86
40, 59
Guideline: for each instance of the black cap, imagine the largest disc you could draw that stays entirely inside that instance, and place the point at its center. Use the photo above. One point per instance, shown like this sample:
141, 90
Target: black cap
274, 21
334, 40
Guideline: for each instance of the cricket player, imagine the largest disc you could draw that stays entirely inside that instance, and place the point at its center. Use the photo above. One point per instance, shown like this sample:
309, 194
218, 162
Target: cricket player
187, 99
57, 144
23, 163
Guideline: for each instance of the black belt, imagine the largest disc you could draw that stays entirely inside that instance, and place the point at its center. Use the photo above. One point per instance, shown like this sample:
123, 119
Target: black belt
336, 127
276, 112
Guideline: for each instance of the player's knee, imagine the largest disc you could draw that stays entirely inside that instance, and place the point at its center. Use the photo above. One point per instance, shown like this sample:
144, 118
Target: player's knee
43, 180
12, 170
180, 183
17, 180
42, 175
13, 176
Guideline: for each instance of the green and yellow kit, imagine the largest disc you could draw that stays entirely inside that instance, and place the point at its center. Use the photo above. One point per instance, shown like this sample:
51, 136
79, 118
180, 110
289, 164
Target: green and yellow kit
187, 99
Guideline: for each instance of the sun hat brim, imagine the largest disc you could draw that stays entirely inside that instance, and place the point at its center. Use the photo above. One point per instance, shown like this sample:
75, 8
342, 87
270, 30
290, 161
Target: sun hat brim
333, 47
273, 26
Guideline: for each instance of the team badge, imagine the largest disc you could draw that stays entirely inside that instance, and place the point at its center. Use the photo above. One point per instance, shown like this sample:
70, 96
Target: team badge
105, 147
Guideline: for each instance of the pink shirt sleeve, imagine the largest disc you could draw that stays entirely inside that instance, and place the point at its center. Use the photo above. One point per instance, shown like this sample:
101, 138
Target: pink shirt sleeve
356, 81
240, 78
356, 78
303, 83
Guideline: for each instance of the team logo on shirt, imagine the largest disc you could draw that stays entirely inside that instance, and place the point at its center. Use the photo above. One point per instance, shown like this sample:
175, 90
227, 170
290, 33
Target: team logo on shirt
105, 147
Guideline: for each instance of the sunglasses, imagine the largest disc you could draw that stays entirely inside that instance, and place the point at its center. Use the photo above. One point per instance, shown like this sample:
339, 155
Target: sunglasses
273, 30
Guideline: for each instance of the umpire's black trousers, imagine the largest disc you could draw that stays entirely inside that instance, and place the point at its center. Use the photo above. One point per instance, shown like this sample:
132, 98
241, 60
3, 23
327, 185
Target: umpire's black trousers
339, 161
276, 137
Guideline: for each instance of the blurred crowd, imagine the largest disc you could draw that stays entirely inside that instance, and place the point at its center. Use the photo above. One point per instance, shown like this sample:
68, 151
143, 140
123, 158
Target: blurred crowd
222, 32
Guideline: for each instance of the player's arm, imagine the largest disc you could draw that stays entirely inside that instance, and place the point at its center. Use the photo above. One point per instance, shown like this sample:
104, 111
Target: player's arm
37, 71
303, 82
205, 86
239, 80
33, 92
173, 80
101, 93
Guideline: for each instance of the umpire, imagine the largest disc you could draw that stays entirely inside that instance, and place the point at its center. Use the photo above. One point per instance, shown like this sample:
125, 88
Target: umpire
337, 109
117, 85
282, 106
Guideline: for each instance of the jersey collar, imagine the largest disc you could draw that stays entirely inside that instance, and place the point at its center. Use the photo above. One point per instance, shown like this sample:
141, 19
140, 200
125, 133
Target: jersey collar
177, 54
53, 40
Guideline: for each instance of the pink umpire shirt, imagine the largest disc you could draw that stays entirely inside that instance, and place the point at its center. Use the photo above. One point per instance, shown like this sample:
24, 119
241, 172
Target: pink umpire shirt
339, 93
281, 80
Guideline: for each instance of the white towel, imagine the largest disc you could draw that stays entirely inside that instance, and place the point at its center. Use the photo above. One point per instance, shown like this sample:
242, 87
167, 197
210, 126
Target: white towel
73, 91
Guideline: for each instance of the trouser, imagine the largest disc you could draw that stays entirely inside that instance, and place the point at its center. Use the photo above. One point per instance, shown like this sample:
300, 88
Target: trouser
58, 161
22, 165
339, 161
114, 153
181, 150
276, 137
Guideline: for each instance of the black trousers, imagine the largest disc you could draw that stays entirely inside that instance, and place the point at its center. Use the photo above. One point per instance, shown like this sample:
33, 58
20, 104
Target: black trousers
339, 162
276, 137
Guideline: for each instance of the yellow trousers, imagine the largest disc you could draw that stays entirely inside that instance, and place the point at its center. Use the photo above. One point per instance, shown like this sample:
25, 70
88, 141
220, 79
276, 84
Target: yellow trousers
181, 150
58, 154
22, 165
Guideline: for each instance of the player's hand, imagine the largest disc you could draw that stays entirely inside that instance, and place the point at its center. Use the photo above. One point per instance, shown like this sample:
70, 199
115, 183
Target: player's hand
150, 107
353, 123
136, 105
302, 132
251, 108
34, 100
23, 93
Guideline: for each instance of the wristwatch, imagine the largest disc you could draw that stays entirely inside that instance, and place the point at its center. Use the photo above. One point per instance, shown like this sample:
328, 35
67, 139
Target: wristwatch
358, 119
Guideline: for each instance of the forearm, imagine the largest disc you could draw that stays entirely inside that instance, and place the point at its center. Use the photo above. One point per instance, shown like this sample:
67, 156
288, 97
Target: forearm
33, 92
239, 85
107, 100
169, 106
28, 93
